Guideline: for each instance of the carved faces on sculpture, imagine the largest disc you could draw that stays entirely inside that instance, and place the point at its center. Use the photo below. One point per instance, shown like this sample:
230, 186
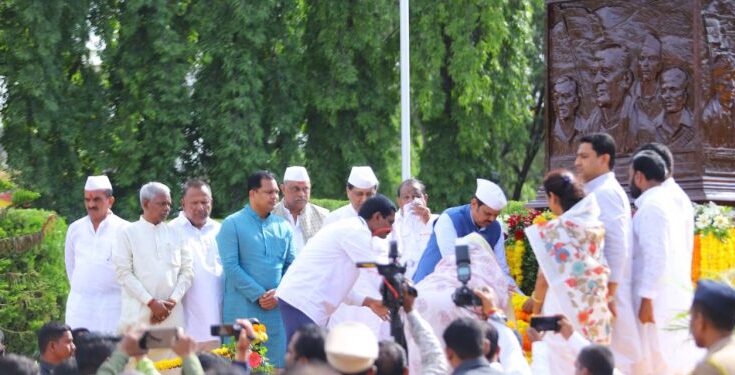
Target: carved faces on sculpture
612, 76
723, 75
674, 89
649, 61
565, 98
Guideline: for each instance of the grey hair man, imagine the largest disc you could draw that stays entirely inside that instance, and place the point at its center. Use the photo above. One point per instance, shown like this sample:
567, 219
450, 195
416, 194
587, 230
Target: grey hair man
152, 264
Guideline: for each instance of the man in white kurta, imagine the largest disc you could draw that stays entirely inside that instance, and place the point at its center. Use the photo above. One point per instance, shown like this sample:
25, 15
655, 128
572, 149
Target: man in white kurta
153, 267
323, 275
662, 287
361, 185
594, 163
203, 301
414, 223
305, 217
94, 297
683, 203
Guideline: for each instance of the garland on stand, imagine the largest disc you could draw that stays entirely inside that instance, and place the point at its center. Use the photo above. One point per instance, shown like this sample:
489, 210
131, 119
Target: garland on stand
714, 241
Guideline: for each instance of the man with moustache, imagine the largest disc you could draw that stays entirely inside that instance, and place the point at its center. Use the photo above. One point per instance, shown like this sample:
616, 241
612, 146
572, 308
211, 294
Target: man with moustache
305, 218
674, 125
203, 301
568, 126
256, 249
662, 260
152, 265
323, 276
413, 224
94, 298
612, 82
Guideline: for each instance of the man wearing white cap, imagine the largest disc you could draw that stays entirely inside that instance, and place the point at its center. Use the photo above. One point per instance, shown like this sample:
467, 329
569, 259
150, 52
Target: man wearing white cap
361, 185
478, 216
352, 349
305, 218
94, 298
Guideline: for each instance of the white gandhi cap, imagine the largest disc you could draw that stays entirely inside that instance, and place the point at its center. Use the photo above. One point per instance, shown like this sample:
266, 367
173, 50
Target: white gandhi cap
490, 194
97, 183
351, 347
296, 174
362, 178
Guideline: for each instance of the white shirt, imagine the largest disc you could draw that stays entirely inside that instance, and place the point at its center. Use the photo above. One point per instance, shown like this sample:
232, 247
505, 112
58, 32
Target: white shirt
615, 214
298, 233
343, 212
446, 237
511, 354
686, 210
412, 235
324, 273
94, 297
151, 262
203, 301
662, 262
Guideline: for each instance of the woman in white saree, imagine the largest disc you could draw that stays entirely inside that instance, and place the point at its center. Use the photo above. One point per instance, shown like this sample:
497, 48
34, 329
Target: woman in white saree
434, 302
572, 278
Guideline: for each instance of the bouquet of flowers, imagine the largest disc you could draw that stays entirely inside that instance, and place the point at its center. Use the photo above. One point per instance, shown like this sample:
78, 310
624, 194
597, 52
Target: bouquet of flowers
711, 218
714, 246
520, 257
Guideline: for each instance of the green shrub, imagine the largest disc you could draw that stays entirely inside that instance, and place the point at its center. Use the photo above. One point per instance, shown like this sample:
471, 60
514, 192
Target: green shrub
33, 285
23, 197
330, 204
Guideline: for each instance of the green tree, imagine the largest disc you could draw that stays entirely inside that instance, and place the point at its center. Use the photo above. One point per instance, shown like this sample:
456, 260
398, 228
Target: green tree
473, 87
53, 114
352, 92
247, 103
148, 57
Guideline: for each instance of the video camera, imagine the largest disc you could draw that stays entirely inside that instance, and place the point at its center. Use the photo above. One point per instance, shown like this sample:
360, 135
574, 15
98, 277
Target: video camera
392, 290
225, 330
463, 296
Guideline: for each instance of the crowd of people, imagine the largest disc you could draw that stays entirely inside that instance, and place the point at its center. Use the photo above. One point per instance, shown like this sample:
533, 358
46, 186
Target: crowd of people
615, 283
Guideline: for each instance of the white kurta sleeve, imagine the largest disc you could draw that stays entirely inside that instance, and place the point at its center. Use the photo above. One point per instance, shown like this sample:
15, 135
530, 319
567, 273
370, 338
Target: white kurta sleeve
123, 259
499, 250
617, 227
653, 239
186, 274
69, 253
446, 235
354, 298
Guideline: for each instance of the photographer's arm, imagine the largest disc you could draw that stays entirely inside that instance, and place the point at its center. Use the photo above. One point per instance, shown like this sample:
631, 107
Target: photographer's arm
433, 360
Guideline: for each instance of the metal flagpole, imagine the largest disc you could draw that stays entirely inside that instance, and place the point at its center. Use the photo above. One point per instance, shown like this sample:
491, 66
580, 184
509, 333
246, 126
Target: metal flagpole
405, 96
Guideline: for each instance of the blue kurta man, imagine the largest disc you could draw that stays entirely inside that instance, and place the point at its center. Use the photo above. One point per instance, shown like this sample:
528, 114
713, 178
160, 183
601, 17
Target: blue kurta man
256, 248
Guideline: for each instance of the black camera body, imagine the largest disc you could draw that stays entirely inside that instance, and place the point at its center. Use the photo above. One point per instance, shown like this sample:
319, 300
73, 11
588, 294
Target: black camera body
463, 296
392, 291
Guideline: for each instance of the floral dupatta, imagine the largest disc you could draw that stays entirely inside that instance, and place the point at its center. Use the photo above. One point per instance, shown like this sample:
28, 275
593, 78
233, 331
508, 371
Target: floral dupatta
569, 251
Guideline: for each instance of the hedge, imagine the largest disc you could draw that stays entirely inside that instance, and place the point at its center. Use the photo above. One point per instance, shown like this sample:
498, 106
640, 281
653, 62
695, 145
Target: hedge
33, 284
330, 204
